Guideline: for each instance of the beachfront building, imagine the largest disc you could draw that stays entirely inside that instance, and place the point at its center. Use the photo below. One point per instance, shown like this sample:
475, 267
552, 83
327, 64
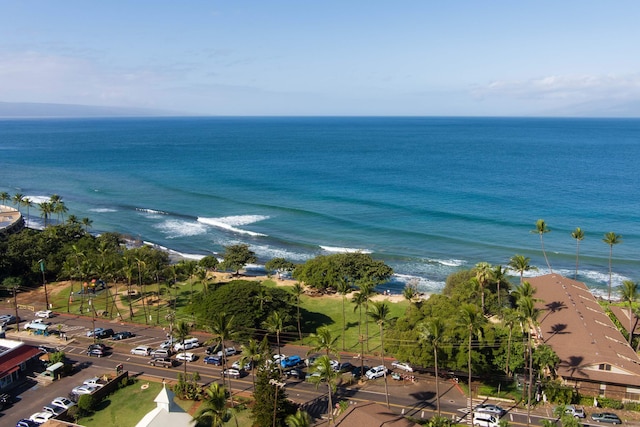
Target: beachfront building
16, 359
595, 358
11, 220
166, 413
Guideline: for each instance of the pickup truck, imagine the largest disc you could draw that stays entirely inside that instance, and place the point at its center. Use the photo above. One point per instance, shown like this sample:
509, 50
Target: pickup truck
161, 361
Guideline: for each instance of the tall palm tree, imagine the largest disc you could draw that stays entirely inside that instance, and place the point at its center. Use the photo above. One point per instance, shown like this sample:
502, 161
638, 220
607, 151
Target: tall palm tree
45, 211
521, 264
433, 333
484, 274
500, 276
510, 317
12, 284
4, 196
213, 410
541, 229
323, 341
630, 293
343, 289
379, 313
274, 324
577, 234
326, 374
87, 223
252, 353
27, 203
530, 313
128, 269
472, 319
299, 419
17, 200
298, 290
611, 239
181, 332
141, 267
366, 291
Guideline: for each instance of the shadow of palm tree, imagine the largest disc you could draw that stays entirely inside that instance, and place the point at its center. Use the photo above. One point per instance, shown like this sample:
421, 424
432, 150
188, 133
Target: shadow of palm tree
573, 364
553, 307
558, 328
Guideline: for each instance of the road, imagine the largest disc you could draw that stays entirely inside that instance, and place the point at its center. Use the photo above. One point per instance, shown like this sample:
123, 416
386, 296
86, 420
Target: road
410, 397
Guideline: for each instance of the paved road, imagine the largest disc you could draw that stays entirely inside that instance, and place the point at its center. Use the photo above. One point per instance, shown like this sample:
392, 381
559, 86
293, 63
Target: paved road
415, 398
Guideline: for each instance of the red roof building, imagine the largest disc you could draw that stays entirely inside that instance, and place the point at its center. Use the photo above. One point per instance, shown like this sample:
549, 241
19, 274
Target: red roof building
14, 357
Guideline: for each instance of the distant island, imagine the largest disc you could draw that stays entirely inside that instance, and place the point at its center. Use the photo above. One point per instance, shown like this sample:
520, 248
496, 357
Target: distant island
15, 110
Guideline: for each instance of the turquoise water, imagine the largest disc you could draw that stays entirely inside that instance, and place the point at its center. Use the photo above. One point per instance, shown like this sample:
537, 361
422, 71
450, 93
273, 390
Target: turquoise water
427, 195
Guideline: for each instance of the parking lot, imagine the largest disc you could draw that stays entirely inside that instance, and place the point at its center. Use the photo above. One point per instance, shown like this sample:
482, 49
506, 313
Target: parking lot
31, 396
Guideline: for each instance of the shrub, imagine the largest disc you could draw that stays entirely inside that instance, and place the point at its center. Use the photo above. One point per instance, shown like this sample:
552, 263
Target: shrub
605, 402
86, 403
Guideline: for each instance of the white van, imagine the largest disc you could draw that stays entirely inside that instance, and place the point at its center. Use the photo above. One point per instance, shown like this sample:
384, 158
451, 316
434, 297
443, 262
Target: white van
482, 419
189, 343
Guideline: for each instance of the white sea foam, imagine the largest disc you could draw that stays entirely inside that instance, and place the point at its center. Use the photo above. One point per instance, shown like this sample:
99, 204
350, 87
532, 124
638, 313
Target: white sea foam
174, 228
103, 210
345, 250
270, 252
172, 252
38, 199
424, 285
151, 211
447, 262
231, 223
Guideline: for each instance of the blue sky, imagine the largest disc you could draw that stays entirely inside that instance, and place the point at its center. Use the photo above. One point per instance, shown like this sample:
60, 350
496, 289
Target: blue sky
478, 58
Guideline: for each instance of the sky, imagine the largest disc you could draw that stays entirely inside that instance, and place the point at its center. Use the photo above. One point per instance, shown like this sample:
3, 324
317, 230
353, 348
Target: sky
337, 58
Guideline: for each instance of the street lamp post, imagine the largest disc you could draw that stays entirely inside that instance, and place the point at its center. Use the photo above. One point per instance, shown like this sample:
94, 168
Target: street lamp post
275, 397
44, 283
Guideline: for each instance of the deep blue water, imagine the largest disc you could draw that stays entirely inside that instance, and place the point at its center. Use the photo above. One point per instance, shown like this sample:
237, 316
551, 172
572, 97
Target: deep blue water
427, 195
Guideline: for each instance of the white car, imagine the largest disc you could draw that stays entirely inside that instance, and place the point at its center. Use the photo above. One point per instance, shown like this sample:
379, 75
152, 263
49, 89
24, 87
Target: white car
375, 372
94, 382
141, 350
233, 373
96, 331
494, 410
62, 402
84, 389
186, 356
402, 366
238, 365
44, 313
53, 409
41, 417
229, 351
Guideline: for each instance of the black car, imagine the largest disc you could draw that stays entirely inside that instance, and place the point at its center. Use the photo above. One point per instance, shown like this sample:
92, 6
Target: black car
213, 349
98, 346
106, 333
5, 400
359, 371
122, 335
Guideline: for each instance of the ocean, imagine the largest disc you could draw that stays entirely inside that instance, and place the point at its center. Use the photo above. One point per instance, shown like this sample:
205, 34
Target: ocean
429, 196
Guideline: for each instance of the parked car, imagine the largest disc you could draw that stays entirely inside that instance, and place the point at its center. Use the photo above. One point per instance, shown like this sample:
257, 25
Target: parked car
606, 417
232, 373
141, 350
345, 367
122, 335
105, 333
291, 361
95, 331
165, 362
44, 313
97, 345
188, 344
483, 419
186, 356
213, 349
93, 381
311, 359
26, 423
294, 373
375, 372
83, 389
167, 344
53, 409
213, 360
491, 409
95, 352
228, 351
5, 400
7, 319
246, 366
47, 349
161, 352
403, 366
358, 371
574, 411
41, 417
62, 402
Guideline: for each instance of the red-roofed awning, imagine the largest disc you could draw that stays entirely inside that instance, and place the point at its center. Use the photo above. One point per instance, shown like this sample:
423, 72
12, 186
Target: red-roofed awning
11, 361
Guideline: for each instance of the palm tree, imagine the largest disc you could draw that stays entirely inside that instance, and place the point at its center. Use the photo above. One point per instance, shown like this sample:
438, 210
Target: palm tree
252, 353
27, 203
87, 223
577, 234
299, 419
530, 313
343, 289
12, 284
520, 263
326, 373
275, 324
222, 328
499, 274
472, 320
213, 410
541, 228
128, 269
510, 318
433, 332
17, 200
484, 274
630, 293
4, 196
298, 290
611, 239
142, 265
181, 332
45, 211
367, 290
322, 341
379, 313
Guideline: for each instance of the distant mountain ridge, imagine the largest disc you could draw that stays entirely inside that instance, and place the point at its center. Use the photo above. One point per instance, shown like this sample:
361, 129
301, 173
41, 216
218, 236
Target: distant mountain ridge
42, 110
